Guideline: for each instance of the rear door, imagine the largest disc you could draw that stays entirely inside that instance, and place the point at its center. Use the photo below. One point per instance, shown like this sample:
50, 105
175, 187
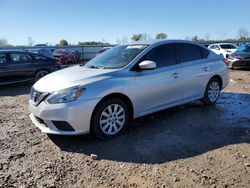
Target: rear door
20, 66
161, 87
195, 69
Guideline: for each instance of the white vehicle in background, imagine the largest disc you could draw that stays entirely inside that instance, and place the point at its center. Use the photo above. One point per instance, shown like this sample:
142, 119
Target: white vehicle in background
224, 49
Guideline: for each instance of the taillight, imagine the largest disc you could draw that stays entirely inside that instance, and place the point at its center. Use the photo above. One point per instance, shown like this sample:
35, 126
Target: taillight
59, 63
226, 62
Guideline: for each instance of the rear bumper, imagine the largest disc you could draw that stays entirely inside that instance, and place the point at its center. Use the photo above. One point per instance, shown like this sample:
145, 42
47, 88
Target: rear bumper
225, 79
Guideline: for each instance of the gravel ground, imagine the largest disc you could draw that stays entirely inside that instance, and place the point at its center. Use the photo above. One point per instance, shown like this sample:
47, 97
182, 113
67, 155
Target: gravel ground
188, 146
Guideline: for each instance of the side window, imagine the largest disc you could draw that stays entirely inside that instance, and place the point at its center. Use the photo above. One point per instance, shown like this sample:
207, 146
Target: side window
189, 52
163, 55
216, 47
2, 58
20, 57
211, 47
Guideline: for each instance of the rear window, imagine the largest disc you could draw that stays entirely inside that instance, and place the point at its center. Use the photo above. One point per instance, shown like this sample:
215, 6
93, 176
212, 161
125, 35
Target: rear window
189, 52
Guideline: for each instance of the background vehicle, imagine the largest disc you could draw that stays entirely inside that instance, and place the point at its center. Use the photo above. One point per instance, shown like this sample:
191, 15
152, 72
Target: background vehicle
77, 55
240, 58
42, 51
102, 50
16, 66
64, 55
224, 49
126, 82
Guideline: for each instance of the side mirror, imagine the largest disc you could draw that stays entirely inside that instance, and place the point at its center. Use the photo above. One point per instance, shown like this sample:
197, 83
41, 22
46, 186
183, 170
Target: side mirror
147, 65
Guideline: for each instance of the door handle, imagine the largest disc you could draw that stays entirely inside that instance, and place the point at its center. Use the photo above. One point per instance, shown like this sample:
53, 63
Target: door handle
175, 75
205, 69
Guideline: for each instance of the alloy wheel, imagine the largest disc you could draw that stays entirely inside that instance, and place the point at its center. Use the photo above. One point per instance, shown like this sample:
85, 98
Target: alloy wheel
213, 91
112, 119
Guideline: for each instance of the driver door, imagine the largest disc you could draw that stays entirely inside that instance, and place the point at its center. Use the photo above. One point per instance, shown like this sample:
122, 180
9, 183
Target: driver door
162, 87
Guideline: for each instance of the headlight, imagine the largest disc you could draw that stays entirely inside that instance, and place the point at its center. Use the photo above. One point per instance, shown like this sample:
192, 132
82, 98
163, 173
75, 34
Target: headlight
66, 95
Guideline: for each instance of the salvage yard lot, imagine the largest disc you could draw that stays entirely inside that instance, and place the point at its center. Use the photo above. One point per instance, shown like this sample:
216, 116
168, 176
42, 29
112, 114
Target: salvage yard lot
188, 146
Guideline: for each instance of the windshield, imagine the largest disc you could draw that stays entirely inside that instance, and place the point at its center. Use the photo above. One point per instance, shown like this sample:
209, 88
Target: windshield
116, 57
244, 48
228, 46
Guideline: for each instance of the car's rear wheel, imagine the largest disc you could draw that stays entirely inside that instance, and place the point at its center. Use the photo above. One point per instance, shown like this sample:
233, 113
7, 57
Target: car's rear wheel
110, 119
212, 92
41, 74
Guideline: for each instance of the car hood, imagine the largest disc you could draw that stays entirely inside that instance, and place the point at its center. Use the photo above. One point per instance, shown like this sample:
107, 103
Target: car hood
241, 55
230, 50
70, 77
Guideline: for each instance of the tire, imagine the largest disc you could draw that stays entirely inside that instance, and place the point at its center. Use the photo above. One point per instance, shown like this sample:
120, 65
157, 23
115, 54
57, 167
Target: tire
40, 74
233, 67
212, 92
110, 119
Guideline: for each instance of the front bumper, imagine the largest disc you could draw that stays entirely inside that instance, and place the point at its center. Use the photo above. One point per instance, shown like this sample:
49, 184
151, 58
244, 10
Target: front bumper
77, 114
238, 63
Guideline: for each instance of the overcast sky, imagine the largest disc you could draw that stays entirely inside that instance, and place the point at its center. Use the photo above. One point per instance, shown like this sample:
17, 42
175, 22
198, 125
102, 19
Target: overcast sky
87, 20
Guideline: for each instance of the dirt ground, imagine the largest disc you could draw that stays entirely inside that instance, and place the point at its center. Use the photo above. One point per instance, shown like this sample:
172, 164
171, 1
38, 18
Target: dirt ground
188, 146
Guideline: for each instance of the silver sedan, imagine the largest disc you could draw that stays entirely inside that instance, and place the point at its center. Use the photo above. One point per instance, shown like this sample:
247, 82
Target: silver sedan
126, 82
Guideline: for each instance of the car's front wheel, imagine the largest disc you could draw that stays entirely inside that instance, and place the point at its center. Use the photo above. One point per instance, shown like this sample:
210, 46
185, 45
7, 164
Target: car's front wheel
109, 119
212, 92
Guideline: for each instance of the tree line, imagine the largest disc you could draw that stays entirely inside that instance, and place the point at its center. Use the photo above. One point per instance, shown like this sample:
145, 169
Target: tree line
243, 34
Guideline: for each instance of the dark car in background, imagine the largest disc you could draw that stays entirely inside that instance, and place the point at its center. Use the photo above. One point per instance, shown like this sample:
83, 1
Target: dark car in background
77, 55
65, 56
42, 51
240, 58
18, 66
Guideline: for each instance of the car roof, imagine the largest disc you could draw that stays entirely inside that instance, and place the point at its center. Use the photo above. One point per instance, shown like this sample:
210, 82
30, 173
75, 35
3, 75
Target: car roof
245, 43
155, 42
15, 51
221, 43
60, 49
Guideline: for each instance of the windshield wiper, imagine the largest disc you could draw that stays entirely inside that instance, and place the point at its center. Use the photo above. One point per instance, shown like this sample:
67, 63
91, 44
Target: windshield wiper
93, 67
96, 67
